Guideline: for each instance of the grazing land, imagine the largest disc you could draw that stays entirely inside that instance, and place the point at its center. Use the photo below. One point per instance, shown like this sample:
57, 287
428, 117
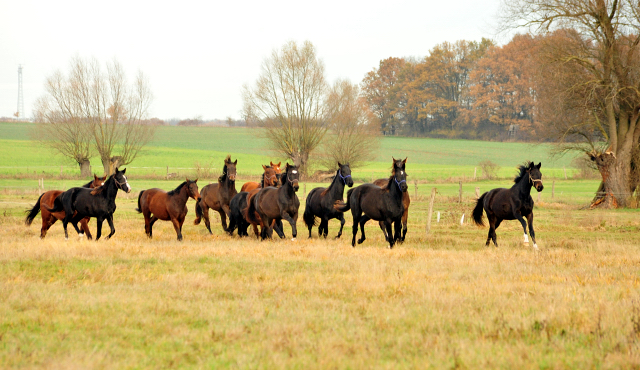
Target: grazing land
441, 300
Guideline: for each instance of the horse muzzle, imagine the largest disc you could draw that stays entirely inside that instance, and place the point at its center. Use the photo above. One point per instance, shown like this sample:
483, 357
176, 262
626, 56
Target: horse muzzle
350, 183
232, 177
295, 186
404, 187
539, 187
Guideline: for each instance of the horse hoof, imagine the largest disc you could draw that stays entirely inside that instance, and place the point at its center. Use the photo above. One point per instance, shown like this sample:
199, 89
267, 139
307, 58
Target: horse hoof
293, 239
390, 246
81, 235
535, 246
66, 238
526, 244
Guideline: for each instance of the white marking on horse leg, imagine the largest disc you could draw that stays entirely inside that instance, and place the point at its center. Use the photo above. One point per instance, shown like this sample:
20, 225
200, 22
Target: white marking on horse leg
535, 246
389, 246
293, 239
526, 238
81, 235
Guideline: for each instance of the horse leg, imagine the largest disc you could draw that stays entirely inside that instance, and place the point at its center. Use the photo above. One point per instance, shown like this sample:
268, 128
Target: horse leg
277, 226
355, 213
342, 222
151, 222
74, 222
363, 220
84, 224
397, 232
98, 227
46, 224
405, 221
494, 236
492, 229
292, 222
383, 227
524, 227
531, 232
177, 226
227, 213
324, 226
391, 240
113, 229
223, 220
147, 224
205, 215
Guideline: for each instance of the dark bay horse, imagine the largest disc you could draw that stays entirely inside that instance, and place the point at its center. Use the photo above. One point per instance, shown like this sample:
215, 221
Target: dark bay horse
320, 202
100, 203
167, 206
218, 196
274, 204
515, 203
406, 202
48, 218
380, 204
270, 177
238, 208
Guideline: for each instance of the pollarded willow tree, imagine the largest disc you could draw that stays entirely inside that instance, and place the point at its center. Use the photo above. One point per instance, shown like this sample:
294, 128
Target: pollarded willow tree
90, 109
288, 99
590, 86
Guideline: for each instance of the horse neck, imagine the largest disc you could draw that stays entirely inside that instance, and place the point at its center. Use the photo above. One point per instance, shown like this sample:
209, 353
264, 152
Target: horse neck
287, 187
523, 186
183, 195
394, 188
111, 188
336, 189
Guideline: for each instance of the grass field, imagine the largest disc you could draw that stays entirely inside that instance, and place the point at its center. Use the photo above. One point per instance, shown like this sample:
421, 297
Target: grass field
442, 300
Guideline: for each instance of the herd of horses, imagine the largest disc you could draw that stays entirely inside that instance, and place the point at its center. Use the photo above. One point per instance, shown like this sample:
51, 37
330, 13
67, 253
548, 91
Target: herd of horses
264, 205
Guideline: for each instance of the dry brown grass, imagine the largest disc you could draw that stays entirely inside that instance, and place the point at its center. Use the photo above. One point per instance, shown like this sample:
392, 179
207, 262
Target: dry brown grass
442, 301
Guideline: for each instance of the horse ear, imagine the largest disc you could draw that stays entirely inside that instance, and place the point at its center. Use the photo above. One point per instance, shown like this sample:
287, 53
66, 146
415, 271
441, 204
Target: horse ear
95, 177
339, 164
539, 165
531, 165
186, 179
236, 162
195, 181
264, 167
405, 160
124, 171
279, 163
394, 159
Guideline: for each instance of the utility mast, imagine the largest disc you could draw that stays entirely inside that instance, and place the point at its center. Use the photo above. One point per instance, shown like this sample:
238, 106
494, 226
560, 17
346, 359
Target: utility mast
20, 112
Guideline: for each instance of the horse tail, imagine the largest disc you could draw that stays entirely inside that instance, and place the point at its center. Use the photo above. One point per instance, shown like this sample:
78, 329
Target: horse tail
57, 205
477, 211
199, 213
344, 206
308, 217
33, 212
139, 209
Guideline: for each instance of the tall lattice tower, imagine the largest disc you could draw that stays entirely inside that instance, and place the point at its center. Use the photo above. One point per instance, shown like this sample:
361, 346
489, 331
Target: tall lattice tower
20, 112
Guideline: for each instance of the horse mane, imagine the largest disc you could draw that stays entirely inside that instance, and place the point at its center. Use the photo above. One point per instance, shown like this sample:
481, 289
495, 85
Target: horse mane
87, 185
178, 189
223, 177
522, 171
333, 179
97, 190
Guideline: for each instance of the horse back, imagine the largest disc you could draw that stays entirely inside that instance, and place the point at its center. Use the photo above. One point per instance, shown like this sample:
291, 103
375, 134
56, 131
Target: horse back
500, 202
248, 186
377, 203
47, 201
156, 201
209, 194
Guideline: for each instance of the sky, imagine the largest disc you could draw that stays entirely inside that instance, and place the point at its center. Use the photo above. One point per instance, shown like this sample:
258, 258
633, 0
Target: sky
197, 55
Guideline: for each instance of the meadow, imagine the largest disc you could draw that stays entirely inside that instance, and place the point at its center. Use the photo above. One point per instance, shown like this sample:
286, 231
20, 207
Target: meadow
439, 300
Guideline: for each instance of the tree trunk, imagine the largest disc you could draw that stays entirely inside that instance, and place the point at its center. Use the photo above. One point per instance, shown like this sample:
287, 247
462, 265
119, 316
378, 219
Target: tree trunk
85, 168
111, 164
614, 191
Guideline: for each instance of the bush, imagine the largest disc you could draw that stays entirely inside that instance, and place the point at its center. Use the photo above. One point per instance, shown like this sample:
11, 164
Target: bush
489, 169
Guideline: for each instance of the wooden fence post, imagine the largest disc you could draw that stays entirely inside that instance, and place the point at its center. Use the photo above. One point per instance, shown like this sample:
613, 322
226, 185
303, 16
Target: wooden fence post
429, 213
477, 192
460, 192
553, 189
475, 172
415, 192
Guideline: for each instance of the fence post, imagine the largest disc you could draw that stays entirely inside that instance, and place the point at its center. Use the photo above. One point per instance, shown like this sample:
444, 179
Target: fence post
538, 197
415, 192
553, 189
565, 172
433, 197
475, 172
460, 193
477, 192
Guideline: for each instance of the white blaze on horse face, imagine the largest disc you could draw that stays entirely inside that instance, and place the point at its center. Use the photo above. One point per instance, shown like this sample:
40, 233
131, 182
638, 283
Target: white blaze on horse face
402, 172
294, 172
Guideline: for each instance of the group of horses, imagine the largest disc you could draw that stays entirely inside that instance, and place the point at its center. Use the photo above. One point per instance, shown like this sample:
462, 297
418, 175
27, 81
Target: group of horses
264, 205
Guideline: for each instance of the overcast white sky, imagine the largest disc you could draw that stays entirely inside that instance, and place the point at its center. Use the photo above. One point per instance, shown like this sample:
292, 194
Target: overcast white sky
198, 54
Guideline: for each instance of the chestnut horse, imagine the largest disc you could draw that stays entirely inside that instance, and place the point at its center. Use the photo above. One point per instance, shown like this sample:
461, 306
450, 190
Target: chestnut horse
406, 202
48, 218
218, 196
270, 177
274, 204
171, 206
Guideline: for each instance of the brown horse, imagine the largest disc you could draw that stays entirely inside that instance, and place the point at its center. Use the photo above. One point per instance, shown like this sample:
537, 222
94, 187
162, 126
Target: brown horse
48, 218
406, 202
167, 206
218, 196
274, 204
269, 178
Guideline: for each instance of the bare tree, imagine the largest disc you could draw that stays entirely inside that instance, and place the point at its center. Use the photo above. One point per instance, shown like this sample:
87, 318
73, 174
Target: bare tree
288, 100
591, 62
353, 136
109, 111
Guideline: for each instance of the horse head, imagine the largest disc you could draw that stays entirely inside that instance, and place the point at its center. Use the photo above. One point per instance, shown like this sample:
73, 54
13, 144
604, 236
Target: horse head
121, 180
277, 169
270, 177
98, 181
230, 168
344, 171
535, 176
292, 176
192, 189
399, 173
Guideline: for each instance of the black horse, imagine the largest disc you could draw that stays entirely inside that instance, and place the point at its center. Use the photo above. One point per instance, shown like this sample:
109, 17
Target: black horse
275, 204
320, 202
380, 204
100, 203
237, 208
515, 203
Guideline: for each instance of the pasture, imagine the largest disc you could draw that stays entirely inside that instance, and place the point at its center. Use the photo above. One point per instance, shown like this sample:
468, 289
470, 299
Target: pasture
441, 300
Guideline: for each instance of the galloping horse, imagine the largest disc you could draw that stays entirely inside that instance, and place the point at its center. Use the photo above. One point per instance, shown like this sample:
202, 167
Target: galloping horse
320, 202
237, 208
100, 203
167, 206
48, 218
218, 196
406, 202
274, 204
515, 203
270, 177
380, 204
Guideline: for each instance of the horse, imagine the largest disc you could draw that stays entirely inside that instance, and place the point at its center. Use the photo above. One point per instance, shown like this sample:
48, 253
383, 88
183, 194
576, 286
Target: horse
167, 206
100, 203
270, 177
48, 218
380, 204
237, 208
406, 202
515, 203
320, 202
274, 204
217, 196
